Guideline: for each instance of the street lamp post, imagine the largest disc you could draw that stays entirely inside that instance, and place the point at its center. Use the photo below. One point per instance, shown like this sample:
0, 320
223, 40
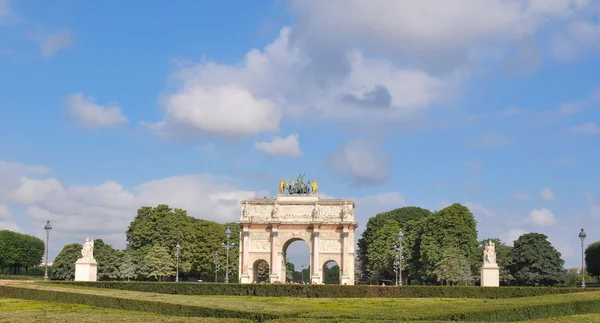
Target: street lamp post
47, 227
216, 262
582, 236
227, 247
397, 267
302, 273
177, 254
399, 258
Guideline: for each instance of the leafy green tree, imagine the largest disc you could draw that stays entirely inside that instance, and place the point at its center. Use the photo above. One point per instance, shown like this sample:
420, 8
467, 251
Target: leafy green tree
289, 271
332, 275
159, 263
381, 252
402, 216
592, 259
19, 251
453, 268
63, 267
452, 227
536, 262
109, 260
127, 270
503, 258
573, 278
262, 272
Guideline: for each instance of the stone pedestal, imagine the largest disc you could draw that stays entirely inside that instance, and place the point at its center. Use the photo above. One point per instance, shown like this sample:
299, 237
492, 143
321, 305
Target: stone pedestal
86, 269
490, 275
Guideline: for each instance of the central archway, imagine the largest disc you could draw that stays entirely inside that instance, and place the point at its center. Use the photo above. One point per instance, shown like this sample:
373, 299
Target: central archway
269, 226
296, 256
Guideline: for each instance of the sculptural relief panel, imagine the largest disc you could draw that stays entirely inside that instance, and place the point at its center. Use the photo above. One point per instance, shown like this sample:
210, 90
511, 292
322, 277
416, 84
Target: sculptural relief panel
330, 246
259, 210
330, 235
260, 245
260, 235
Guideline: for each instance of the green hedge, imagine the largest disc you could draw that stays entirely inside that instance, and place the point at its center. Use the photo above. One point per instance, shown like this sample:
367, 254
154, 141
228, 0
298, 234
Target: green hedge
522, 313
130, 304
330, 291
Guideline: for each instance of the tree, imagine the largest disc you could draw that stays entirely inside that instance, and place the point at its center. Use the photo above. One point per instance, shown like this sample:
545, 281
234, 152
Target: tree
159, 263
109, 260
592, 259
503, 258
19, 251
536, 262
452, 227
402, 217
127, 270
453, 268
63, 267
332, 275
381, 252
289, 271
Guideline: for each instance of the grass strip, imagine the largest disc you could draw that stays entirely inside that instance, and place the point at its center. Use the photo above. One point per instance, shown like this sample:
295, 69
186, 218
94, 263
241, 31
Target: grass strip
130, 304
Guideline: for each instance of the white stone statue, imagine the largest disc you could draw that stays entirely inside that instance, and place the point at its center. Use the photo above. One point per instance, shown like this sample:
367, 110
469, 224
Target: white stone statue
317, 211
275, 213
88, 248
346, 211
489, 254
86, 267
245, 210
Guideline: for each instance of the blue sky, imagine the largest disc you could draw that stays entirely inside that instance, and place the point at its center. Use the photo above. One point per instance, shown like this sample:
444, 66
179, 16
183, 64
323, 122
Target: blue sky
490, 103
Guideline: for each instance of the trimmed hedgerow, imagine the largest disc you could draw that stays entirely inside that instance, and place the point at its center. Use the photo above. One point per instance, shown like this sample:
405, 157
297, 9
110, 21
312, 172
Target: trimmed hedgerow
130, 304
514, 314
329, 291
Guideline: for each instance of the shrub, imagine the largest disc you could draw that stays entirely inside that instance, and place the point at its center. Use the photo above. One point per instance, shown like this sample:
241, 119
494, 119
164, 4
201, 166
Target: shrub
329, 291
129, 304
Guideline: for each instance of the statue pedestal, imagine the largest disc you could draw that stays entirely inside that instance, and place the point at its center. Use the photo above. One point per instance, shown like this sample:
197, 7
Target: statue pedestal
86, 270
490, 275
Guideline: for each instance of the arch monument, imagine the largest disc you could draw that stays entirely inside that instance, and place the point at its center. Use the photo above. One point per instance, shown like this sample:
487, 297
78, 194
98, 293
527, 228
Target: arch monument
269, 226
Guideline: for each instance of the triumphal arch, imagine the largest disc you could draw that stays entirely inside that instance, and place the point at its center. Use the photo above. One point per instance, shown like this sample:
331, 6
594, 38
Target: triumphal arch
269, 226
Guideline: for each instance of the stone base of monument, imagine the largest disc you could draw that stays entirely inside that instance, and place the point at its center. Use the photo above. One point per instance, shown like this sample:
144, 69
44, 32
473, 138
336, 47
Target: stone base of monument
490, 275
86, 270
245, 279
345, 280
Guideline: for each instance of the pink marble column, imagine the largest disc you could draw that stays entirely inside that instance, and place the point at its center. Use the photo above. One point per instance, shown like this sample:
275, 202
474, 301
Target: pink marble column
316, 265
245, 251
274, 265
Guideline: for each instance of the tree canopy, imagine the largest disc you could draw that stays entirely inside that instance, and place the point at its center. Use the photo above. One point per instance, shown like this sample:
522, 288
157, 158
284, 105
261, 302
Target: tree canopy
19, 251
378, 238
536, 262
63, 267
592, 259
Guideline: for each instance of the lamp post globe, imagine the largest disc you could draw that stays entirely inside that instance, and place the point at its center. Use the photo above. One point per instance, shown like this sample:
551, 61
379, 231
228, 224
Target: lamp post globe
582, 236
47, 227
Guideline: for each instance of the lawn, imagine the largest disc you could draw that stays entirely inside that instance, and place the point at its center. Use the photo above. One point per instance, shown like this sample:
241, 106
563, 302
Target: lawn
16, 310
364, 309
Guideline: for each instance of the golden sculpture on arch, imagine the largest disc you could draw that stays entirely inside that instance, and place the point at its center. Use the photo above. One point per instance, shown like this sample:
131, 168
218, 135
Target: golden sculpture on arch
315, 187
281, 186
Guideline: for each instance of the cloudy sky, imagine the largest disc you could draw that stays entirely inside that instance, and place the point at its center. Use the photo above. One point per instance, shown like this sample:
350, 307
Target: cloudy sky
108, 106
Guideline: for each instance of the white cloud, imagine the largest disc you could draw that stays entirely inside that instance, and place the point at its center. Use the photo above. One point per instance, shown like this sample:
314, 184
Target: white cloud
493, 140
579, 35
51, 43
546, 194
588, 128
512, 235
280, 147
521, 197
91, 115
363, 161
105, 210
479, 210
7, 16
589, 197
542, 217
